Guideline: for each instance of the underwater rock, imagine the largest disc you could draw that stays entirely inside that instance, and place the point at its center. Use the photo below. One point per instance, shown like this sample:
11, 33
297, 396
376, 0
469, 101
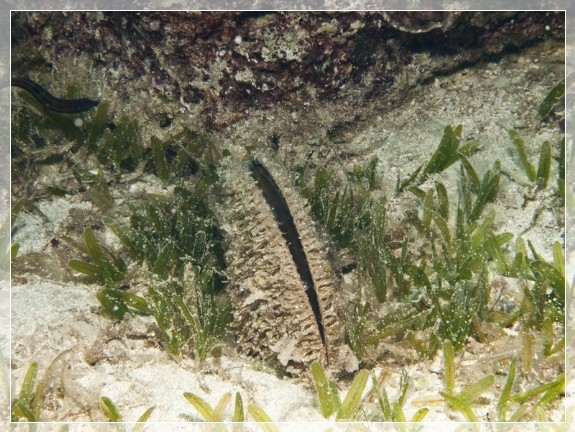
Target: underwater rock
226, 64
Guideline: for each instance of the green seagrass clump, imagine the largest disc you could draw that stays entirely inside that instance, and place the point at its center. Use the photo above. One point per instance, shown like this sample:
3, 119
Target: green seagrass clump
216, 414
445, 293
526, 405
172, 243
35, 393
341, 212
108, 408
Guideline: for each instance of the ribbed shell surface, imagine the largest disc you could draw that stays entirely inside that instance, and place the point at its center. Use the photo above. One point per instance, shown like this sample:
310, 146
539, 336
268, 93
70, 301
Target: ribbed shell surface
273, 319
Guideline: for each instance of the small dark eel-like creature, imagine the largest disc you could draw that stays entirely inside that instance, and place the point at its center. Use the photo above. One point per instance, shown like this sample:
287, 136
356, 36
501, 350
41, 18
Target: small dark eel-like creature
284, 219
64, 106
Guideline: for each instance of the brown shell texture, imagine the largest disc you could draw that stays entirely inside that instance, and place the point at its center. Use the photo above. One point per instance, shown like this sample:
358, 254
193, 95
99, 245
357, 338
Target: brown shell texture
273, 319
